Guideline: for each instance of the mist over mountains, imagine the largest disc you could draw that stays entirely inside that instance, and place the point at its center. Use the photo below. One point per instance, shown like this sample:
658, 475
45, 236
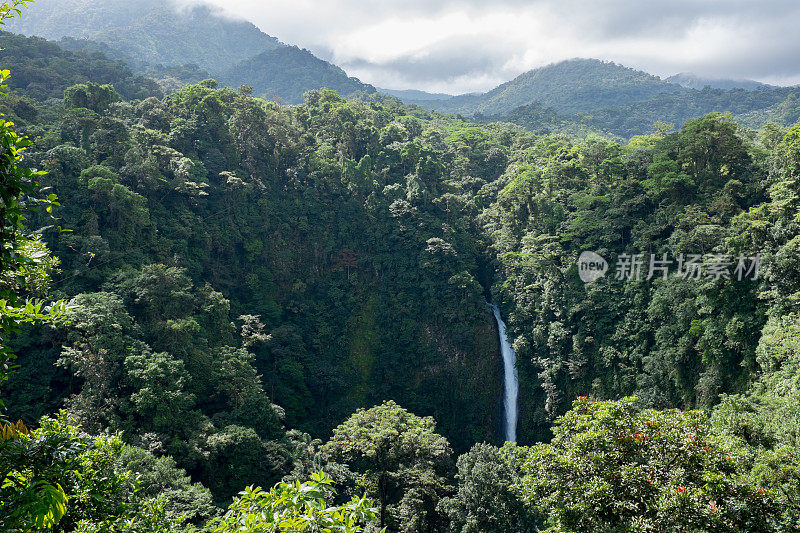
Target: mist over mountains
690, 80
169, 42
151, 34
149, 31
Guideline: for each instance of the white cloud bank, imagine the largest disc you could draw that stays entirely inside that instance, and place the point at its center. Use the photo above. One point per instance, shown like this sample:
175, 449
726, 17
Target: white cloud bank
465, 46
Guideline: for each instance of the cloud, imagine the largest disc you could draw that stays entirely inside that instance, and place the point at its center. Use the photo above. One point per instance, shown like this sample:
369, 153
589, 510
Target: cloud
470, 45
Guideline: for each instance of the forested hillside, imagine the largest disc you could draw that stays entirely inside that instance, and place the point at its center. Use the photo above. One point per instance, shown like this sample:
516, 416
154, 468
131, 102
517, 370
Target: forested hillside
230, 314
755, 108
148, 31
287, 72
543, 120
43, 70
582, 96
169, 43
568, 87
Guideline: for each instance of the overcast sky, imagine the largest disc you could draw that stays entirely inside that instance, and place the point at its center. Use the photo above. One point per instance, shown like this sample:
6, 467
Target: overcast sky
471, 45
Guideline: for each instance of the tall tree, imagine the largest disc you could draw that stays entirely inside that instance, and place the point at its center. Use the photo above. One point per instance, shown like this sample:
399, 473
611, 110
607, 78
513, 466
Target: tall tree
399, 460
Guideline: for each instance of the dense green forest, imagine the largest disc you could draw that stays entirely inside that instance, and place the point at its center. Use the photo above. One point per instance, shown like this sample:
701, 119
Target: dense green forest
43, 70
754, 108
223, 313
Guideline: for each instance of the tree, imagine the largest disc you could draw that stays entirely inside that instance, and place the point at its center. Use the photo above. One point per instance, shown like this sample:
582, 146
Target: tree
486, 500
158, 400
236, 456
58, 478
159, 477
612, 467
765, 420
239, 387
99, 341
401, 462
25, 261
295, 507
90, 96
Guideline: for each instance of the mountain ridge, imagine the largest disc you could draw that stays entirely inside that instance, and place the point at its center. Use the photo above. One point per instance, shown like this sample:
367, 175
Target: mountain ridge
577, 95
414, 95
570, 86
288, 72
151, 31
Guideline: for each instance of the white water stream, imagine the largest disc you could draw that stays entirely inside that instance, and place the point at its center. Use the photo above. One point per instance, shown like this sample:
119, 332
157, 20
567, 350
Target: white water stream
510, 379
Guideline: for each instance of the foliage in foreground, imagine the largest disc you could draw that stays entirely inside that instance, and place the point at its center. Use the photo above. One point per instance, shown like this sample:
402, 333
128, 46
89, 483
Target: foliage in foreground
25, 261
296, 507
612, 467
57, 477
487, 500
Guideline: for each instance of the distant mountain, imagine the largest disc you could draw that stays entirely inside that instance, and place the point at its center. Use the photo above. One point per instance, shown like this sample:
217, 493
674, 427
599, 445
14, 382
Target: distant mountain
148, 31
411, 96
287, 72
690, 80
785, 112
576, 85
582, 96
169, 77
182, 45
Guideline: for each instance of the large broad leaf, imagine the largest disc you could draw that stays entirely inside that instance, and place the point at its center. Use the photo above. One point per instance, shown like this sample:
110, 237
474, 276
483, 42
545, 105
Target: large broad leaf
51, 505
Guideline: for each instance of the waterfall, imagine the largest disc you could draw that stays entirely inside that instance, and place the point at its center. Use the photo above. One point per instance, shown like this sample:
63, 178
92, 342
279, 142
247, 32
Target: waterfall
510, 378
